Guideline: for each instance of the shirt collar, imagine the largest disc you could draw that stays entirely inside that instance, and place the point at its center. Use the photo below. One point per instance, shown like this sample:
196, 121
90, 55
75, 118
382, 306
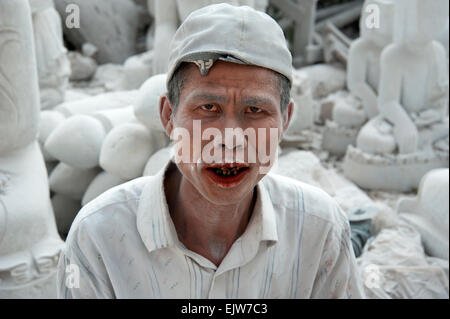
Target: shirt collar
157, 230
154, 223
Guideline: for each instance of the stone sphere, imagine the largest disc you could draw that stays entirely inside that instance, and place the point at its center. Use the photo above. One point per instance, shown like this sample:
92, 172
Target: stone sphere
77, 141
147, 104
126, 150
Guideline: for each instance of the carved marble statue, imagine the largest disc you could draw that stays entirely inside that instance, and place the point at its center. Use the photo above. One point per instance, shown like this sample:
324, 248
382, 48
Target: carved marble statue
29, 242
52, 61
169, 14
352, 110
410, 135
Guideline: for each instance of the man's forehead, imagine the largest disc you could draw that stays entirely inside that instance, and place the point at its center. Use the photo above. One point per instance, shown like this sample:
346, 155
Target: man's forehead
221, 71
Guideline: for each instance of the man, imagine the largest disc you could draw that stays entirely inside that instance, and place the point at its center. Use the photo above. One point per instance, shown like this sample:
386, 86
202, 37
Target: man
216, 226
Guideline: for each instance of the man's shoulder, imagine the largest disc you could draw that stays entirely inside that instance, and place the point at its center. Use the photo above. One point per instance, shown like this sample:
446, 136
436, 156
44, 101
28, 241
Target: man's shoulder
116, 205
302, 198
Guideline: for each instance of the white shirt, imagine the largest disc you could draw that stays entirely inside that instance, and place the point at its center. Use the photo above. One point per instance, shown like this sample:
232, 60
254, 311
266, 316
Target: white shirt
124, 245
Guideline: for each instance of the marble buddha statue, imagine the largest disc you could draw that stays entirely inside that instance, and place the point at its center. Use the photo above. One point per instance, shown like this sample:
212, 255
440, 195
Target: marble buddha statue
351, 110
409, 136
29, 242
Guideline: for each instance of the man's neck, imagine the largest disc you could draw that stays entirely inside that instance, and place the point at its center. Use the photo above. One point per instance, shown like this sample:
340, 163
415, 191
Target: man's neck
203, 227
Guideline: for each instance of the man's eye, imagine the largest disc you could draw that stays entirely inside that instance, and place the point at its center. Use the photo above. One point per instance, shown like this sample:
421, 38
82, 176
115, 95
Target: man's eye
209, 107
253, 109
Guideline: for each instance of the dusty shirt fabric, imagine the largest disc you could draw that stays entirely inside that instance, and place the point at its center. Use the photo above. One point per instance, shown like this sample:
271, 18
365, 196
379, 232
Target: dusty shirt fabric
124, 245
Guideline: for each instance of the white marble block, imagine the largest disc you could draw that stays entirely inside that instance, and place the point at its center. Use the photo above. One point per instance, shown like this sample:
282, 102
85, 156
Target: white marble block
105, 101
101, 183
71, 181
77, 141
157, 161
127, 149
137, 69
147, 103
428, 212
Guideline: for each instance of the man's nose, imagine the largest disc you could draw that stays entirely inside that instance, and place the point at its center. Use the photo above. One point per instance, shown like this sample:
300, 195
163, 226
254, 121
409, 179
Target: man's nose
234, 138
232, 135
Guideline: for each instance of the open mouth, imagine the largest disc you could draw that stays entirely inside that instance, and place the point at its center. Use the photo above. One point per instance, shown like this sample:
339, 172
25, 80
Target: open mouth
227, 174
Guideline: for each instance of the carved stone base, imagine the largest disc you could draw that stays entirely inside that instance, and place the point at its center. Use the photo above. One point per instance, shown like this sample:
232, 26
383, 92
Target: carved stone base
43, 288
400, 173
336, 138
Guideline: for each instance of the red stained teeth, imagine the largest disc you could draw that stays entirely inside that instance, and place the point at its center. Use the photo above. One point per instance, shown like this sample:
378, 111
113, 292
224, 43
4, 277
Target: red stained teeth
224, 171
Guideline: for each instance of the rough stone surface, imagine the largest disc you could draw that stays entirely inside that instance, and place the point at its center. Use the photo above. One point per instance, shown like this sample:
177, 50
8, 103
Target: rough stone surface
325, 79
111, 25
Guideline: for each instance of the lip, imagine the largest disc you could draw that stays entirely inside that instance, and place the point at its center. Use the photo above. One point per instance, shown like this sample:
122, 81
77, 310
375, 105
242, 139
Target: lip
227, 182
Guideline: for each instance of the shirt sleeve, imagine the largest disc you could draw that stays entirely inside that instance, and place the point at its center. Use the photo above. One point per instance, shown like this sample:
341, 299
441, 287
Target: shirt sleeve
81, 273
338, 275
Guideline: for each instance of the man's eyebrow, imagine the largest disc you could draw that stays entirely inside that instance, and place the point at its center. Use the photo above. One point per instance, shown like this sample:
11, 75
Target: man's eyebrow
255, 101
208, 97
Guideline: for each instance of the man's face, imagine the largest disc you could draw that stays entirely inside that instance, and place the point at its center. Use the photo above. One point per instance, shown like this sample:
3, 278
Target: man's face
232, 96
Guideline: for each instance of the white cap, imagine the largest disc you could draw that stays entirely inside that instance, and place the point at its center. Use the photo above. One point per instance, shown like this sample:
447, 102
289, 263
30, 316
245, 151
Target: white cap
230, 33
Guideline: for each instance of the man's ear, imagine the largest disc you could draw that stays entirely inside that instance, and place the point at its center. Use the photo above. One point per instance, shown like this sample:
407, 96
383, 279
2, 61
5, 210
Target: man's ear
287, 115
165, 114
